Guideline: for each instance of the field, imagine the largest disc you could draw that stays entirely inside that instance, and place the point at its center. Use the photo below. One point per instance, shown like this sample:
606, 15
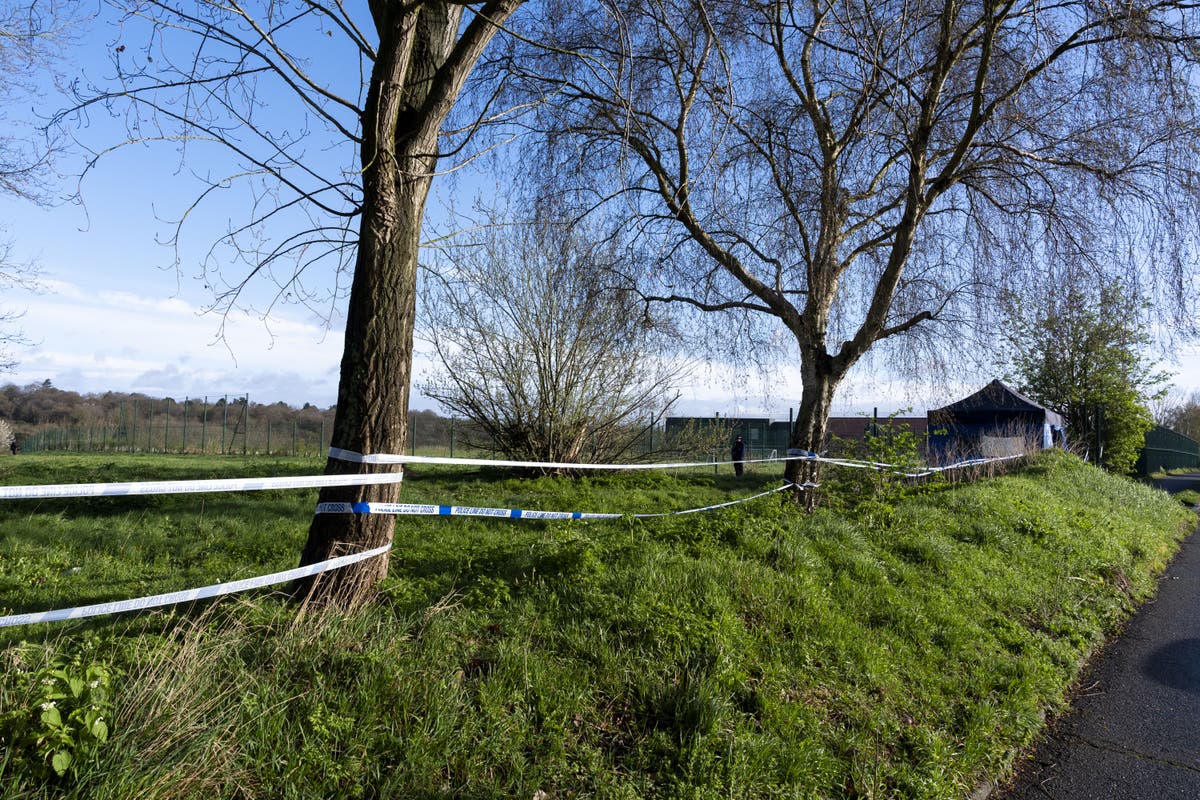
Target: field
901, 642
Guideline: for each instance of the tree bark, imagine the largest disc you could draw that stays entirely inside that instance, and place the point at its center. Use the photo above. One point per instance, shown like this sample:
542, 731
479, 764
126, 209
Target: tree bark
819, 382
424, 56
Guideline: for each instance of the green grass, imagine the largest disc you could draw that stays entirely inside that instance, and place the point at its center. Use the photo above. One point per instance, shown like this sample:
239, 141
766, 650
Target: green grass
1163, 473
1189, 497
905, 645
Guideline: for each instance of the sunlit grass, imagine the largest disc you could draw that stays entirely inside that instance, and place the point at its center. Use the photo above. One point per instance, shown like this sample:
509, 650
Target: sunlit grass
905, 647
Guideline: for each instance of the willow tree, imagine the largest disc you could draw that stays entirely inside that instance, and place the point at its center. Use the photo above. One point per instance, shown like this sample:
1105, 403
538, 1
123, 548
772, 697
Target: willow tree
855, 172
331, 118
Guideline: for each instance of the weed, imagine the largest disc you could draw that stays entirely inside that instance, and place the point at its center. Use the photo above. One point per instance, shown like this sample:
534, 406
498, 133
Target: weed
65, 718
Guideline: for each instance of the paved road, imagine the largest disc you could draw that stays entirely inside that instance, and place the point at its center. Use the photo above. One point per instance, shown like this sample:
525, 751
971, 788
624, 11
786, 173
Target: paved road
1134, 731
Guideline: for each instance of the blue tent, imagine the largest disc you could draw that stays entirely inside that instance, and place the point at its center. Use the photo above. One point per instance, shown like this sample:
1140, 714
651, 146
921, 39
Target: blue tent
995, 421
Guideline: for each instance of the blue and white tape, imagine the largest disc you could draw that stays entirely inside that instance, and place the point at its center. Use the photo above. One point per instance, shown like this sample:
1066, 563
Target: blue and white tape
189, 595
185, 487
339, 454
970, 462
419, 509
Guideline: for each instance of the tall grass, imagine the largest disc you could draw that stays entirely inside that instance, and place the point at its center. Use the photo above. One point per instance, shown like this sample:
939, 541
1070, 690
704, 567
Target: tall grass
906, 645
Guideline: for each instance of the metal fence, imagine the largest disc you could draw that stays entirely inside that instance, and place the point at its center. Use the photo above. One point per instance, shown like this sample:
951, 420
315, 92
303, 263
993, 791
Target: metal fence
191, 426
237, 426
1165, 449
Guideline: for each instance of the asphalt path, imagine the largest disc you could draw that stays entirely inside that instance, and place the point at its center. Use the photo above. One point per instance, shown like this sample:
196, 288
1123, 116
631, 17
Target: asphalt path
1133, 731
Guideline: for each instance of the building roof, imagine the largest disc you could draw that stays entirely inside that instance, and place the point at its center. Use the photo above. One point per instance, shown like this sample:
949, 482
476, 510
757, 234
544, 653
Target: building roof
997, 397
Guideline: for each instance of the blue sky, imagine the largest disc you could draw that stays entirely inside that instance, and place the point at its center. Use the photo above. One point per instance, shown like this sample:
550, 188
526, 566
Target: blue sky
114, 314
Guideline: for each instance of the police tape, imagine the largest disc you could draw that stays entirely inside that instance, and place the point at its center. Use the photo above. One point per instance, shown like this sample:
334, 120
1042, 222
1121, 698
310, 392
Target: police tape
315, 481
970, 462
903, 472
184, 487
339, 454
136, 488
189, 595
423, 509
216, 590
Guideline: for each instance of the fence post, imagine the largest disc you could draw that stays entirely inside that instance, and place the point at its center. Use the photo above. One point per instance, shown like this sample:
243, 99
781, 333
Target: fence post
167, 428
245, 423
294, 438
717, 425
452, 437
185, 416
204, 427
224, 422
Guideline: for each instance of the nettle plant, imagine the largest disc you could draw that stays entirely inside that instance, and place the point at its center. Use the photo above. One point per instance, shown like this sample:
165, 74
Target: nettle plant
64, 720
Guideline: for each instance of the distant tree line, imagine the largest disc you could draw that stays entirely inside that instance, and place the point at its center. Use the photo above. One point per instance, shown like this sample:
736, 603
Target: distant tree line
46, 417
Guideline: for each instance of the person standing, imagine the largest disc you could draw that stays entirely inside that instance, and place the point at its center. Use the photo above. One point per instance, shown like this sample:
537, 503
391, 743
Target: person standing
738, 452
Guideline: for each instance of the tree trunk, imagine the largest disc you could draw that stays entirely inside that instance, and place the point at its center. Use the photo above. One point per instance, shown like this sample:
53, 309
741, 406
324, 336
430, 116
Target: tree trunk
812, 423
424, 56
398, 157
373, 392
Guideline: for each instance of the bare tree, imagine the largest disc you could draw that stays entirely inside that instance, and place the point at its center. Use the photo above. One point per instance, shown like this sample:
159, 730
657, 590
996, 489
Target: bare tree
546, 358
32, 36
14, 273
331, 115
1181, 413
857, 172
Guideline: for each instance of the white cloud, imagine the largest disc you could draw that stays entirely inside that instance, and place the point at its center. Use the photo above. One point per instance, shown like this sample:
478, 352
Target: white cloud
118, 340
95, 341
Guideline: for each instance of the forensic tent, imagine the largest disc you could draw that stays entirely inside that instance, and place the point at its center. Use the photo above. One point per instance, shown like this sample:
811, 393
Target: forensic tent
994, 422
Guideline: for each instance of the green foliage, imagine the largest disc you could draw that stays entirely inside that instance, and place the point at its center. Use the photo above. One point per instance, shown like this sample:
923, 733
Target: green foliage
903, 648
66, 715
1084, 356
887, 442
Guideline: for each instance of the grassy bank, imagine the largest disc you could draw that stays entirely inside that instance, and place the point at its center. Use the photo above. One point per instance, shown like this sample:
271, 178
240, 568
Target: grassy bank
902, 646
